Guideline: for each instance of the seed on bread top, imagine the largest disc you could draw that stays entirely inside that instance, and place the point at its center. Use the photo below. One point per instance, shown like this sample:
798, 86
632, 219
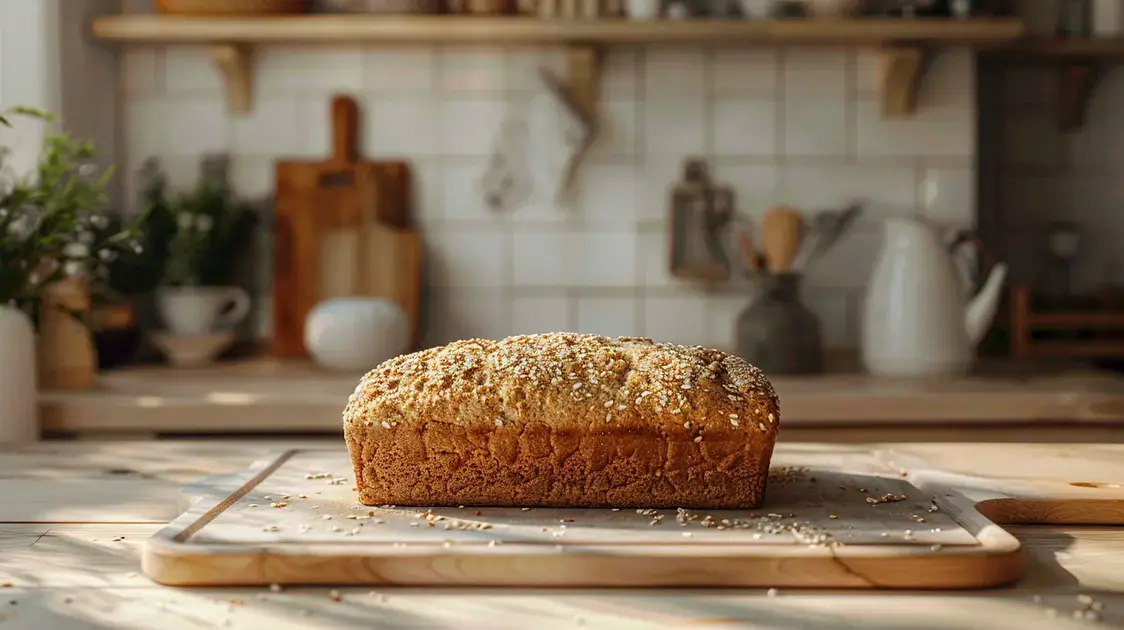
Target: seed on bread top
590, 376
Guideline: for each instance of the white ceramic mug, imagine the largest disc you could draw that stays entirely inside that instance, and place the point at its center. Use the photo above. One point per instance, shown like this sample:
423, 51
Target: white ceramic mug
201, 310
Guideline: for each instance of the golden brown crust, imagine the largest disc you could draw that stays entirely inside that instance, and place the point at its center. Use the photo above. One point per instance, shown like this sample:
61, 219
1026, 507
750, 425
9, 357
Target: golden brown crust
563, 419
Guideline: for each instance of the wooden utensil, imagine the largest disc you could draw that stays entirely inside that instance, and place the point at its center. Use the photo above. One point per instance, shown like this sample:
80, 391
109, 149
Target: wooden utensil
749, 254
319, 209
870, 500
781, 231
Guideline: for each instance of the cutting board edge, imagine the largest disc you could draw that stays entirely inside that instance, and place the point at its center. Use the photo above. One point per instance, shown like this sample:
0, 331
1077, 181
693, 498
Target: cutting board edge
170, 560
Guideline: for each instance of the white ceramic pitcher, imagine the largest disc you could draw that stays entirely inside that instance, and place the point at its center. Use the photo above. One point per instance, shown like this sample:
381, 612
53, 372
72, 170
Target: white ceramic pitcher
917, 320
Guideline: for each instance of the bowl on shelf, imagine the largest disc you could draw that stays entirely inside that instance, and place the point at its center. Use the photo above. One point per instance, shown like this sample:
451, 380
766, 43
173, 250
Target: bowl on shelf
231, 8
191, 350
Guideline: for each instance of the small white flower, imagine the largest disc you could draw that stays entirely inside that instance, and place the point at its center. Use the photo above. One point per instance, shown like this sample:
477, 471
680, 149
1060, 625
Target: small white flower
137, 248
185, 220
72, 268
86, 237
98, 221
87, 170
106, 255
203, 223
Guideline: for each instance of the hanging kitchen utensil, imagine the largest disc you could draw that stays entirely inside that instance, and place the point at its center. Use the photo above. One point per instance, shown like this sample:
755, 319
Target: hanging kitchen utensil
579, 135
700, 212
782, 229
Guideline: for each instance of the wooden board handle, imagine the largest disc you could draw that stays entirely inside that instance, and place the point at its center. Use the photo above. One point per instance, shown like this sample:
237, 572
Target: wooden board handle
345, 130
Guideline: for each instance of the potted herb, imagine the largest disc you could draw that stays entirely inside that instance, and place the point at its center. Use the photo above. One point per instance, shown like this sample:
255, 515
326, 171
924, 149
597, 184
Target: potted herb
51, 245
213, 227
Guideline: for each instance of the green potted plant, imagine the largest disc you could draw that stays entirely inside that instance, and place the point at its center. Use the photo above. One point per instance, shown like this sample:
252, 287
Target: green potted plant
198, 297
51, 245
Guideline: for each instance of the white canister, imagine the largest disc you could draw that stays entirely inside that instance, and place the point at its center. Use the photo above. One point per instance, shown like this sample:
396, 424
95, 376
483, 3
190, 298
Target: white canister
19, 396
642, 9
1108, 18
355, 333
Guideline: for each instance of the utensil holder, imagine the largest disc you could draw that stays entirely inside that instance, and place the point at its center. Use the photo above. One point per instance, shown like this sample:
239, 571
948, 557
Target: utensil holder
776, 332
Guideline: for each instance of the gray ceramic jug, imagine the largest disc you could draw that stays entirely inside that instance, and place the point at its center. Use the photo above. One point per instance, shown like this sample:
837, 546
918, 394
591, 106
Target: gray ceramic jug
777, 333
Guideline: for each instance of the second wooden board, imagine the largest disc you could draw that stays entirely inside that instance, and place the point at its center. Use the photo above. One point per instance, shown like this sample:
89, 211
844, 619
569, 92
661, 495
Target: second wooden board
835, 517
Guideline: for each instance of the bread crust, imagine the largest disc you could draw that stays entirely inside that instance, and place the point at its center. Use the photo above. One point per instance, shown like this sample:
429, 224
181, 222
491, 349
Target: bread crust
563, 420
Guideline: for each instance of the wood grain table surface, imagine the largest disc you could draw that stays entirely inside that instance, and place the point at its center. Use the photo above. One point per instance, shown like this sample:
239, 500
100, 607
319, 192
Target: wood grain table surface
81, 569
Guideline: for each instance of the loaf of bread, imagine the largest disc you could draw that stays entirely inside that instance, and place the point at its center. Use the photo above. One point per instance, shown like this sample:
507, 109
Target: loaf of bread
563, 420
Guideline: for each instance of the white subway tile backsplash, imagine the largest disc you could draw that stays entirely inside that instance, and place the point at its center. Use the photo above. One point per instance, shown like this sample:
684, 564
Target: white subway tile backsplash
525, 64
722, 315
755, 186
469, 127
543, 258
398, 71
620, 74
652, 260
675, 126
189, 70
848, 264
140, 74
470, 257
948, 195
272, 128
608, 194
868, 74
604, 258
816, 127
657, 177
674, 71
401, 126
530, 315
308, 70
884, 189
461, 191
609, 316
179, 127
833, 309
815, 72
743, 126
928, 134
682, 319
468, 314
475, 69
797, 126
751, 71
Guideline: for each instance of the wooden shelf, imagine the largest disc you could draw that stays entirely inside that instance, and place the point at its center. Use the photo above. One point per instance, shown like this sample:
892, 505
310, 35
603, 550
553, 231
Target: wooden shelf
1080, 64
904, 43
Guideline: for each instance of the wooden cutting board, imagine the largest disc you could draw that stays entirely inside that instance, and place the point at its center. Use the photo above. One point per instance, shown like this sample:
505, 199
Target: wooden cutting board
318, 197
293, 519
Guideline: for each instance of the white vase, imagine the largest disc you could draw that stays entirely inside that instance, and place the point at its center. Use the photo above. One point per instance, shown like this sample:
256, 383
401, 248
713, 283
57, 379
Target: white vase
19, 396
202, 310
355, 333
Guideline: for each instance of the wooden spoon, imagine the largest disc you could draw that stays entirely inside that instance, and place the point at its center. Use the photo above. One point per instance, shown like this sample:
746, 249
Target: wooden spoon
749, 254
782, 228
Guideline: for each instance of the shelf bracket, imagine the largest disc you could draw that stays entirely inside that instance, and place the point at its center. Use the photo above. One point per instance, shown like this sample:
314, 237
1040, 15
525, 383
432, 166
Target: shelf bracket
583, 77
902, 67
233, 61
1076, 82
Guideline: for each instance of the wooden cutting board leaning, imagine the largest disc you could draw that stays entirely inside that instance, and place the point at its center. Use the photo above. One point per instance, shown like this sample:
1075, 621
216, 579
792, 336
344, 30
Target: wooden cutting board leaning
343, 228
834, 517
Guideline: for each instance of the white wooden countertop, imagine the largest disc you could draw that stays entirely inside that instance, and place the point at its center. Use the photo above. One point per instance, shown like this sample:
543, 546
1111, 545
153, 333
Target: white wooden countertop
290, 396
83, 574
